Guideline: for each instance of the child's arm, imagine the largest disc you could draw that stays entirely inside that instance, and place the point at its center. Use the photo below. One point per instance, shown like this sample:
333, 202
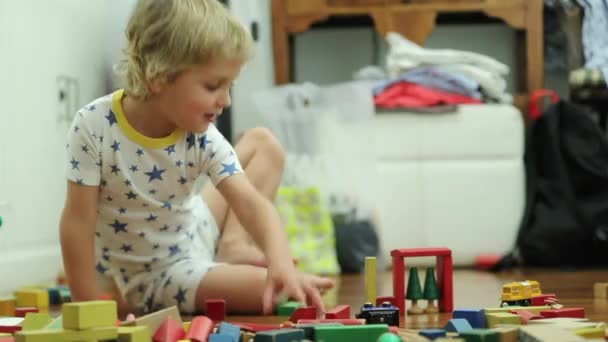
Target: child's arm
77, 232
260, 218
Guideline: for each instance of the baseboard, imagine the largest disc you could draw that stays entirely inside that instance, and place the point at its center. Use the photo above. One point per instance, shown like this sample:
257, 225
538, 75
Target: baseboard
28, 266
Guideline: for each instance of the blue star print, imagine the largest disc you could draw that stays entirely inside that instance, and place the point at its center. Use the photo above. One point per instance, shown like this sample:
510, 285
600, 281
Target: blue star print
182, 180
230, 169
91, 108
134, 168
164, 228
190, 141
167, 205
75, 164
203, 142
116, 146
140, 152
84, 148
151, 218
115, 169
170, 149
173, 250
119, 227
179, 163
156, 173
111, 118
100, 268
127, 248
131, 195
180, 297
122, 210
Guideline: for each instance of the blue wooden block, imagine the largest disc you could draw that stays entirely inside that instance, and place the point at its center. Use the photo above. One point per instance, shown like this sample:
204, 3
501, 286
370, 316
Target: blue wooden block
54, 296
458, 325
476, 317
282, 335
432, 334
230, 330
220, 338
309, 329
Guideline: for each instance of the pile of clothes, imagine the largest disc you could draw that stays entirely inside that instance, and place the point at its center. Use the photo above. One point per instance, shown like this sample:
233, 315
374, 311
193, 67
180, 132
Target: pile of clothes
417, 77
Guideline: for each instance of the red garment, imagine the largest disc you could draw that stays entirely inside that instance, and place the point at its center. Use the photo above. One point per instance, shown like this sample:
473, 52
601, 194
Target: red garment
406, 94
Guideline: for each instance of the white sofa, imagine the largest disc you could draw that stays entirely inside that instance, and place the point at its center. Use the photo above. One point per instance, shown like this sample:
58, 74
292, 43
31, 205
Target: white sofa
454, 180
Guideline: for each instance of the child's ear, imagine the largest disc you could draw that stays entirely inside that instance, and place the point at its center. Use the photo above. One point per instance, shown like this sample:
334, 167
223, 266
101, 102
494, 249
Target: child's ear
156, 85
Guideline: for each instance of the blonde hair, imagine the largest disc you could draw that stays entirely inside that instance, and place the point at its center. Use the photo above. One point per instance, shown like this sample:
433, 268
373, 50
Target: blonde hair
165, 37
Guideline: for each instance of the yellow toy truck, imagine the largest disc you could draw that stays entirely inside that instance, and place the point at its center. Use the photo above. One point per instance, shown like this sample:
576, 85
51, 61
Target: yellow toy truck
519, 293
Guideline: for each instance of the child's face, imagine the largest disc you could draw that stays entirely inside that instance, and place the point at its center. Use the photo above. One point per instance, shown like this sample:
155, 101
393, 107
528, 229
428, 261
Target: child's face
198, 95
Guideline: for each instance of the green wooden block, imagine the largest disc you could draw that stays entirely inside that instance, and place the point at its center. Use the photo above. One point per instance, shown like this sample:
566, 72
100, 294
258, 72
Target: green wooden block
56, 324
350, 333
134, 334
288, 308
92, 314
35, 321
480, 335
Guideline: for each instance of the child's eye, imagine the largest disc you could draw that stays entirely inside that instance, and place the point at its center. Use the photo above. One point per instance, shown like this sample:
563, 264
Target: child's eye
212, 87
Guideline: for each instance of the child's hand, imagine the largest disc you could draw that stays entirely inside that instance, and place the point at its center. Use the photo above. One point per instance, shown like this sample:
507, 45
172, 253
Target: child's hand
283, 278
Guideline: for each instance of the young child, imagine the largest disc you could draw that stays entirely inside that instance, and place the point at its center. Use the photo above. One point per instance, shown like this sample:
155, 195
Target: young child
135, 221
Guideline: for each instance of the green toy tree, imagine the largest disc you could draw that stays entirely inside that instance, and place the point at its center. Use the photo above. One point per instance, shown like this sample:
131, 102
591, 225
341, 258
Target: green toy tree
431, 290
414, 291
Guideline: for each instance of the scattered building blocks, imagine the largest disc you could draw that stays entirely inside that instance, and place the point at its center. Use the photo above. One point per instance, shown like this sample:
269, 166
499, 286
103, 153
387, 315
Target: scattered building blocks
508, 334
35, 321
526, 315
169, 331
282, 335
543, 299
349, 321
134, 334
352, 333
288, 308
458, 325
499, 318
155, 319
91, 314
309, 312
93, 334
546, 332
370, 279
444, 275
433, 334
535, 309
564, 312
230, 330
200, 329
480, 335
384, 314
340, 311
247, 336
32, 297
21, 312
221, 338
7, 307
476, 317
600, 290
309, 329
215, 309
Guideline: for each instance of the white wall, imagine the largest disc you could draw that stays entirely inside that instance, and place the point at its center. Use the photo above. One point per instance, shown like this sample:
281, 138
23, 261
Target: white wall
40, 40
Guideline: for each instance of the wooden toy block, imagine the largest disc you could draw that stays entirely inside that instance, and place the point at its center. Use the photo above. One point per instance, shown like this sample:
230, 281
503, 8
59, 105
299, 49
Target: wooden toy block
68, 335
309, 329
215, 309
54, 296
390, 299
526, 315
35, 321
343, 321
543, 332
565, 312
186, 326
22, 311
309, 312
282, 335
480, 335
589, 333
134, 334
288, 308
476, 317
544, 299
340, 311
256, 327
200, 329
444, 275
600, 290
230, 330
37, 298
155, 319
91, 314
9, 329
7, 339
7, 307
458, 325
221, 338
534, 309
169, 331
497, 318
508, 334
247, 336
370, 279
351, 333
432, 334
5, 335
55, 324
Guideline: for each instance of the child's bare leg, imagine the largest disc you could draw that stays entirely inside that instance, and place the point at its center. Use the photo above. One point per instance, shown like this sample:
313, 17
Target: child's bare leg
242, 286
262, 158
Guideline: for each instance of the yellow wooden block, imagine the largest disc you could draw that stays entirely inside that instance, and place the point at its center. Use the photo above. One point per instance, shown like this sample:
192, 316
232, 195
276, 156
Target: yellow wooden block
186, 326
35, 321
600, 290
32, 297
7, 307
497, 318
92, 314
134, 334
589, 333
155, 319
95, 334
534, 309
508, 334
370, 280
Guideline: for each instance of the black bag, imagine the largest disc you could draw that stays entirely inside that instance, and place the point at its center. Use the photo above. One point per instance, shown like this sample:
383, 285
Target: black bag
565, 222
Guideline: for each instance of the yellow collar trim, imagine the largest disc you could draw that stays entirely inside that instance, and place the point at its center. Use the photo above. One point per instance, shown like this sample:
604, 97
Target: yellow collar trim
133, 134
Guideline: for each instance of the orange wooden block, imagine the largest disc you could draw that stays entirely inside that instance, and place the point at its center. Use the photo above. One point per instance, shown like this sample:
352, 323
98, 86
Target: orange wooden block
7, 307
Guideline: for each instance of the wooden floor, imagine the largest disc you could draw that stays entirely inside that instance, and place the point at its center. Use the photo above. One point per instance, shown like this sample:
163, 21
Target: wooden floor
476, 289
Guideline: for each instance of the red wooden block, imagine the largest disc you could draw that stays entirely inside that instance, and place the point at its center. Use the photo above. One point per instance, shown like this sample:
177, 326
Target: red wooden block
526, 315
344, 321
390, 299
200, 328
9, 329
20, 312
309, 312
215, 309
169, 331
340, 311
541, 300
565, 312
